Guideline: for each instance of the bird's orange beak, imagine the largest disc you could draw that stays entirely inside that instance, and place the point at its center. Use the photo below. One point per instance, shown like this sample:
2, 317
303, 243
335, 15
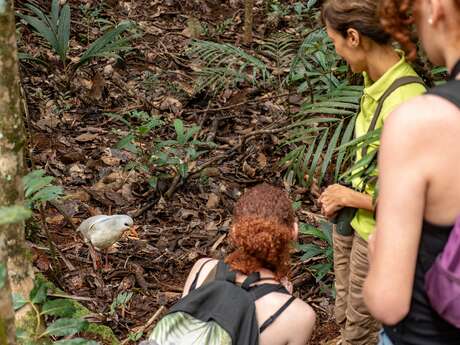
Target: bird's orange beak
132, 232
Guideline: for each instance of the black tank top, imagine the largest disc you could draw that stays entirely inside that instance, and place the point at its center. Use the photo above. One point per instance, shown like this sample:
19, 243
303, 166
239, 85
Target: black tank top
422, 325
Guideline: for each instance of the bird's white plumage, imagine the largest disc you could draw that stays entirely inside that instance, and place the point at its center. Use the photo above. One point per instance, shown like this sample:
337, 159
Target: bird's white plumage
103, 231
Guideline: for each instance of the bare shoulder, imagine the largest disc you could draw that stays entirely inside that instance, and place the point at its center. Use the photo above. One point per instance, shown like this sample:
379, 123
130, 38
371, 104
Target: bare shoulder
421, 111
301, 313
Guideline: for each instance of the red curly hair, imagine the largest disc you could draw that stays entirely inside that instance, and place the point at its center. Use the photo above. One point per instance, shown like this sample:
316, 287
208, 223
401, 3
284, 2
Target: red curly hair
397, 19
263, 220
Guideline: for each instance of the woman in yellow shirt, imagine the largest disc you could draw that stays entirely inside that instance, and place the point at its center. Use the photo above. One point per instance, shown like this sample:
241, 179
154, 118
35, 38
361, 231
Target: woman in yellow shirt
354, 28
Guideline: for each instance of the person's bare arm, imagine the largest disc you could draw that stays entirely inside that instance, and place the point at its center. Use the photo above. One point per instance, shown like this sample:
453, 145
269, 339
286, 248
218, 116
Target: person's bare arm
402, 188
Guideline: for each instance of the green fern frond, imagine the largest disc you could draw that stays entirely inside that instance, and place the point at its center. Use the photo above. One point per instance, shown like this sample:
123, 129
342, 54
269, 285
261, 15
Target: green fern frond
229, 61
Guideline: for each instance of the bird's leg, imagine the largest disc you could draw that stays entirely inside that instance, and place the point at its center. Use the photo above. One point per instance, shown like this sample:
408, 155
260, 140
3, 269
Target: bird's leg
94, 256
107, 266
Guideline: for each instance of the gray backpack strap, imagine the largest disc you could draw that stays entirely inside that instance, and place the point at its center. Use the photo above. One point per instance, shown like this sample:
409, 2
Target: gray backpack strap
393, 87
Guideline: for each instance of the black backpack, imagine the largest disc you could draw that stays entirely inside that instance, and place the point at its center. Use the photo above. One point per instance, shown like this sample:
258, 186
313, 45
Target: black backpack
219, 312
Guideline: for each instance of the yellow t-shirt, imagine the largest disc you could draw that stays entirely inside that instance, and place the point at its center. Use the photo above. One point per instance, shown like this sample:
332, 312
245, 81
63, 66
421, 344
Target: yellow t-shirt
364, 222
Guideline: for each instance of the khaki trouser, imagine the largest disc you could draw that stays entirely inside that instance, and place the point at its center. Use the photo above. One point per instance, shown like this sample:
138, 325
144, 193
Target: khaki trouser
358, 327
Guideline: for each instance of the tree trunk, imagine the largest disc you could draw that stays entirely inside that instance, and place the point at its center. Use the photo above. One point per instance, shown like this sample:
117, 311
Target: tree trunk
12, 141
248, 21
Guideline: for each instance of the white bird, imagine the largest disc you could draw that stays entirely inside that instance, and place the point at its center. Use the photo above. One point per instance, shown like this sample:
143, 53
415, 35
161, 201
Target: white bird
103, 231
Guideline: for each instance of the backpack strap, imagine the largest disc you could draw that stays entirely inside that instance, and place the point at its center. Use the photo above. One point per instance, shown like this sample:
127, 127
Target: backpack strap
393, 87
195, 281
224, 273
260, 291
272, 318
250, 279
449, 91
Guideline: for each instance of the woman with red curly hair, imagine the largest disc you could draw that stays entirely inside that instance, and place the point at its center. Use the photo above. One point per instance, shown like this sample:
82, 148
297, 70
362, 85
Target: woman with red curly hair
263, 229
419, 194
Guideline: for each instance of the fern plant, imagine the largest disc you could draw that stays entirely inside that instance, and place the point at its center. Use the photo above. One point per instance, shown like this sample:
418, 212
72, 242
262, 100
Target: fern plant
180, 153
281, 49
314, 66
110, 44
38, 189
54, 27
322, 141
223, 59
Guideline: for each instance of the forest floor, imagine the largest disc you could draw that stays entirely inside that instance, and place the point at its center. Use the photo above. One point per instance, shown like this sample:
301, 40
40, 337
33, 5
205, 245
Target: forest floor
74, 126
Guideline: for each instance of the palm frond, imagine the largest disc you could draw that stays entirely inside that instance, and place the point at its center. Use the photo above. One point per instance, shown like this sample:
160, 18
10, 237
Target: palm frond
109, 44
54, 28
223, 59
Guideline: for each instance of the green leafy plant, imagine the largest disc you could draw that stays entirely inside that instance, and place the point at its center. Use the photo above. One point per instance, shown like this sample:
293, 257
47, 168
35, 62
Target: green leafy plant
58, 314
314, 66
110, 44
140, 124
180, 153
54, 27
320, 249
120, 301
38, 189
320, 143
223, 60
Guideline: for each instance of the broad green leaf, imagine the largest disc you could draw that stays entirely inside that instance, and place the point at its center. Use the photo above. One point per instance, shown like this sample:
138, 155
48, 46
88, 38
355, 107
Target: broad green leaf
310, 251
321, 270
18, 301
307, 229
63, 32
13, 214
327, 227
180, 131
65, 327
39, 293
58, 307
42, 29
55, 8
